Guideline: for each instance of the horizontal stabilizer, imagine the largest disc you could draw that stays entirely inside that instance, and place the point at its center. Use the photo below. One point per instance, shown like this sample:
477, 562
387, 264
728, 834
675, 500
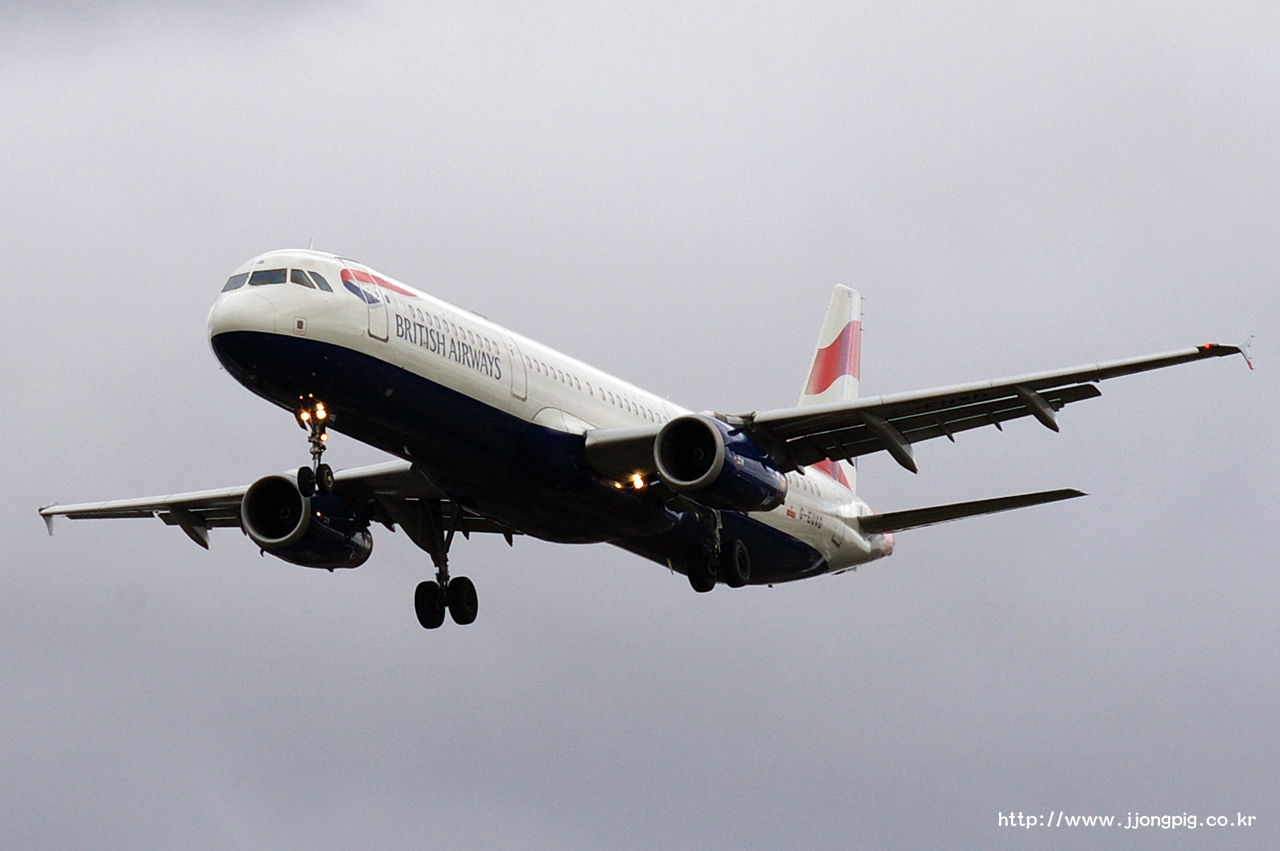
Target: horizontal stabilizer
897, 521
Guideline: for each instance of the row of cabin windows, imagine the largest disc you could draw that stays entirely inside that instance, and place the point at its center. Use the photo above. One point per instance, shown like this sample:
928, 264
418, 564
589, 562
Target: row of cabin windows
263, 277
430, 319
298, 276
619, 400
805, 484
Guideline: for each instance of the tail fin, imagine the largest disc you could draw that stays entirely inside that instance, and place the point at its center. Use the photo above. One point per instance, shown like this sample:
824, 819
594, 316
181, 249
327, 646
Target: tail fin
838, 354
837, 362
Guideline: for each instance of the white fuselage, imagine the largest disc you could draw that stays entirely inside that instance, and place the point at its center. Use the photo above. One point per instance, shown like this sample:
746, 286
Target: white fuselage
467, 353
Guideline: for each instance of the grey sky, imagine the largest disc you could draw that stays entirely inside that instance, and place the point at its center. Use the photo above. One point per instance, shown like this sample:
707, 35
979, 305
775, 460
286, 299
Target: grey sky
668, 193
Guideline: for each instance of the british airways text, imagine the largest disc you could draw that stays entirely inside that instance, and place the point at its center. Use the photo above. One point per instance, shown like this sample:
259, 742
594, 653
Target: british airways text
447, 346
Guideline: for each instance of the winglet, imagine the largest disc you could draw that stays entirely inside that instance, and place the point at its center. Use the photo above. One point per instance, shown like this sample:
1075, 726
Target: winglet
48, 518
1246, 351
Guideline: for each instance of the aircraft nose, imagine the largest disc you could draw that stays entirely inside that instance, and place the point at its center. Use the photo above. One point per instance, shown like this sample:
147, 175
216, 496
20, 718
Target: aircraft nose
241, 311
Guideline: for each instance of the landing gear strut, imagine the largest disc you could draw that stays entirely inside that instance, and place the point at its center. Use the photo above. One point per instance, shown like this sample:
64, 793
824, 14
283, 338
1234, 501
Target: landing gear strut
456, 594
701, 560
314, 417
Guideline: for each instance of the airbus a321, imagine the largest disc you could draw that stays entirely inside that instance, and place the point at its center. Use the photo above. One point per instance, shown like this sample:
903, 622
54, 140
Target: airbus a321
493, 432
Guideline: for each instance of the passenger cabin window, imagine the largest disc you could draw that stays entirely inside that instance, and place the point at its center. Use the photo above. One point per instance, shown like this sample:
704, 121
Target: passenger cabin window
321, 282
235, 282
300, 277
262, 277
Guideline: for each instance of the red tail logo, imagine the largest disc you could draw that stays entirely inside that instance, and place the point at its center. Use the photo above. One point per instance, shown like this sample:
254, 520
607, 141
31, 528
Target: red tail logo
839, 358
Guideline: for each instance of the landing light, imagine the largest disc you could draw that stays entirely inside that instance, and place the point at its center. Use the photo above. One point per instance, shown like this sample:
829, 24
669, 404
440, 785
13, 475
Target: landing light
304, 416
324, 437
637, 481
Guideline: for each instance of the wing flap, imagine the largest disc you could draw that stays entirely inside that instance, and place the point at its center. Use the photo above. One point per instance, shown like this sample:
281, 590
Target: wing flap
897, 521
920, 421
207, 519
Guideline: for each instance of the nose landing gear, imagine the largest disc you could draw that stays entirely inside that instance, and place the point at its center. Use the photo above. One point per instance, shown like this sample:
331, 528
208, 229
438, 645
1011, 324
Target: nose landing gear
314, 417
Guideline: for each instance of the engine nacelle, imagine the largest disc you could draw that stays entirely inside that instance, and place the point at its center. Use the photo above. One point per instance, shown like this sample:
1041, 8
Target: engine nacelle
717, 466
319, 531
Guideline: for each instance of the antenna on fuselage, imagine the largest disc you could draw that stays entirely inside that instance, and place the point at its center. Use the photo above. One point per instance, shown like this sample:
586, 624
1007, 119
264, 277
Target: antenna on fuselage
310, 243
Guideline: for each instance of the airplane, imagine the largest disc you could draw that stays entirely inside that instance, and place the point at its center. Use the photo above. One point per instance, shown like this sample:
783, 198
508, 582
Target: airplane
493, 432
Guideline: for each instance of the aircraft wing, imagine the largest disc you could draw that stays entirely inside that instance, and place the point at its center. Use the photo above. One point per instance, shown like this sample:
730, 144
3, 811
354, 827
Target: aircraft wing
392, 492
798, 437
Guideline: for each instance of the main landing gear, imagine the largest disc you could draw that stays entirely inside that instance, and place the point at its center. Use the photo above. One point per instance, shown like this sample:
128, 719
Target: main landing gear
731, 565
720, 559
457, 595
318, 478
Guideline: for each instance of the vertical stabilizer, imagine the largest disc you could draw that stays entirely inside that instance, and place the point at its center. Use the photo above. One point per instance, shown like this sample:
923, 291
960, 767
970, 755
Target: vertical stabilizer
837, 362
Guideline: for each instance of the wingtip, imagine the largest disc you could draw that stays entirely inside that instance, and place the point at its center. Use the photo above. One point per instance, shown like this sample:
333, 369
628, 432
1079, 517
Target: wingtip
48, 518
1246, 350
1217, 350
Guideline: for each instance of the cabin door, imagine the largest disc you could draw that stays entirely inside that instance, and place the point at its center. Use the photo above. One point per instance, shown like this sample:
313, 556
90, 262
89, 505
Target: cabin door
377, 302
519, 379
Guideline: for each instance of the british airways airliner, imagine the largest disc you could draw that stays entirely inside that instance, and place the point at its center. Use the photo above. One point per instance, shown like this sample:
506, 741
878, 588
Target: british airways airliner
496, 433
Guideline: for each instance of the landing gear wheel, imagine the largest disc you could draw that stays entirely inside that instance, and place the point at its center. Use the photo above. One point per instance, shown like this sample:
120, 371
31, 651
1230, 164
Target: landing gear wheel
324, 478
429, 603
463, 603
306, 481
735, 564
701, 570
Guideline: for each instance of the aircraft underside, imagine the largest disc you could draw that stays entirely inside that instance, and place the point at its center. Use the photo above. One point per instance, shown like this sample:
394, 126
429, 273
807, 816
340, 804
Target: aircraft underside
532, 479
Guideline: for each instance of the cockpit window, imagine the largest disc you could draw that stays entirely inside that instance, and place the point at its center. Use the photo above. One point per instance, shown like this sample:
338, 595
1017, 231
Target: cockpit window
267, 276
300, 277
321, 282
235, 282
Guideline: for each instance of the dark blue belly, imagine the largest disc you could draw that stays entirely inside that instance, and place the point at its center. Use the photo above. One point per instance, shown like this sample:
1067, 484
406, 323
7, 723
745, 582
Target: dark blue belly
522, 475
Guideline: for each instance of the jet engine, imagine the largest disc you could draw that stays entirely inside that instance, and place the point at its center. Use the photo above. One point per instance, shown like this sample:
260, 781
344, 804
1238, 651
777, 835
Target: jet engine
316, 531
717, 466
